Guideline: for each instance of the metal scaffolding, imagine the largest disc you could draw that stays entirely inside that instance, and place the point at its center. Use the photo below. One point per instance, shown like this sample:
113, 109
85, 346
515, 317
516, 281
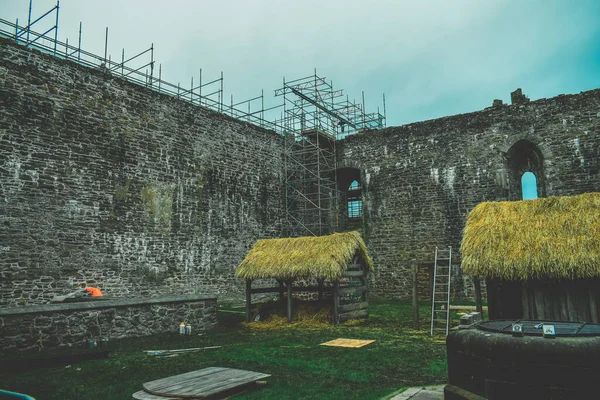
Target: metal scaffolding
139, 69
315, 116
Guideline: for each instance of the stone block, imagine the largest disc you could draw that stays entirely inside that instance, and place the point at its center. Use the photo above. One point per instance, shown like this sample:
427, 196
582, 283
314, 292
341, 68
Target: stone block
467, 319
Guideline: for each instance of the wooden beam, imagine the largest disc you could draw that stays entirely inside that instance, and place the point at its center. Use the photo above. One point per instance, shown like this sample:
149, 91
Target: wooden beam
280, 289
248, 300
266, 290
354, 306
349, 274
593, 306
478, 301
351, 290
466, 308
320, 289
336, 301
525, 302
294, 289
538, 296
415, 296
353, 314
354, 267
490, 285
289, 301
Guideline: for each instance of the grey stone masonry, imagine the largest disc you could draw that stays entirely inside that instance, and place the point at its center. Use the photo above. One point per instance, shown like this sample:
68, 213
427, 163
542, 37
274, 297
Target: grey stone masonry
110, 184
53, 326
421, 180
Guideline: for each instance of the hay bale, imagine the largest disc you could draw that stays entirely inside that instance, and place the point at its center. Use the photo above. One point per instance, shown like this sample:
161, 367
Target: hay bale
304, 313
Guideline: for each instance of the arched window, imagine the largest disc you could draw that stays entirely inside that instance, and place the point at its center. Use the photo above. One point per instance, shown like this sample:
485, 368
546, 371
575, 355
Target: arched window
350, 187
525, 167
529, 186
354, 200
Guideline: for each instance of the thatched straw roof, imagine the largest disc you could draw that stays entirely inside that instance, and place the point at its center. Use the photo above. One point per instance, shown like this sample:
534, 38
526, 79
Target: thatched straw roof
303, 257
555, 237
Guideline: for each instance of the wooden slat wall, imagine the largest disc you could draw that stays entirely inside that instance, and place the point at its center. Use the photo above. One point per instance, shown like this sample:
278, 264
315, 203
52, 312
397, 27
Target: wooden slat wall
344, 312
294, 289
550, 300
354, 306
353, 314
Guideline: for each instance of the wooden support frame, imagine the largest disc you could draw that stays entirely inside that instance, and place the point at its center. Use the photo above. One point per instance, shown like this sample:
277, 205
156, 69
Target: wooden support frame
320, 289
289, 300
283, 289
415, 295
478, 302
356, 287
248, 300
336, 301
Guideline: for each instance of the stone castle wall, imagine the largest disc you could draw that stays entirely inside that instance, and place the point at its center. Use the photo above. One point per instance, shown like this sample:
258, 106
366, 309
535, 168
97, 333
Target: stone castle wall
421, 180
111, 184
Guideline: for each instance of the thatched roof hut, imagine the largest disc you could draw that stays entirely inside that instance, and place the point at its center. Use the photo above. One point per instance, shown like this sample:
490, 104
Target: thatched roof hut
554, 237
324, 257
536, 254
341, 259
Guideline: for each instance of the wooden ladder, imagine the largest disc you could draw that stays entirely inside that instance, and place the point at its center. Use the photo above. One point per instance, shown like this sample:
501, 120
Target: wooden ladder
440, 295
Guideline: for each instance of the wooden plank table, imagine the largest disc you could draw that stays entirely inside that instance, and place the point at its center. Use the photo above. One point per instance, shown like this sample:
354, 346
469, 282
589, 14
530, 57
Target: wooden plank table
143, 395
202, 383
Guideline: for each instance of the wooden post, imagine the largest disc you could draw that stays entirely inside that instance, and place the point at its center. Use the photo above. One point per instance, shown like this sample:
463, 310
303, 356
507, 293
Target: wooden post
415, 295
493, 311
564, 309
571, 304
320, 289
527, 313
336, 301
431, 277
365, 280
478, 302
593, 307
289, 301
248, 300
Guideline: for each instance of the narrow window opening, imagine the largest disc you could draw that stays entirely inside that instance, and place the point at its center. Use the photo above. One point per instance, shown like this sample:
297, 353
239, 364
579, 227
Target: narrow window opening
525, 167
529, 186
354, 200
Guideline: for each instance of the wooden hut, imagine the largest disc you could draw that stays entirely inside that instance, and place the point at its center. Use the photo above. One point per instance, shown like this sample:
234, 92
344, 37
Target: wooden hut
338, 262
540, 258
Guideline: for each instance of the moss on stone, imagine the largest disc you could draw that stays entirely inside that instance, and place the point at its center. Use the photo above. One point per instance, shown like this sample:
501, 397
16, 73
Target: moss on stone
158, 204
121, 192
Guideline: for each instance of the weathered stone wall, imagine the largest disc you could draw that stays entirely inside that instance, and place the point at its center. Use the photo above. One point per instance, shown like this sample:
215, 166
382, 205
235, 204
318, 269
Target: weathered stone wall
54, 326
111, 184
421, 180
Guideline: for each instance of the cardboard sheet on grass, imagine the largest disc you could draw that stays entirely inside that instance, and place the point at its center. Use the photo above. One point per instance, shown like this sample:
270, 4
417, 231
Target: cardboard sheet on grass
347, 343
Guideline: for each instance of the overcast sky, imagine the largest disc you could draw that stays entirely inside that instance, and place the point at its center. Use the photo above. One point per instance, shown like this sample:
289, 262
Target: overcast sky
431, 58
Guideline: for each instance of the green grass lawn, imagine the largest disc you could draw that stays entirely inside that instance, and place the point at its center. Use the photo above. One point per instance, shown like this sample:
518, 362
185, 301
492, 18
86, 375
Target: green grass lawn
300, 368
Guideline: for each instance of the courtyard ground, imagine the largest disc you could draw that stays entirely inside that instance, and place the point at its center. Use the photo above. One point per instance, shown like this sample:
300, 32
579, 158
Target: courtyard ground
301, 369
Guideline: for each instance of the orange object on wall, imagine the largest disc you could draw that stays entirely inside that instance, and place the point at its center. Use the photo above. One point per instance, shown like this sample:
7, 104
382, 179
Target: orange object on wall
94, 291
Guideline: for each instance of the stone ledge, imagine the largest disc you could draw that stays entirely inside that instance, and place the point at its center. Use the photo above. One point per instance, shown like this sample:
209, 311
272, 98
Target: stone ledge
91, 305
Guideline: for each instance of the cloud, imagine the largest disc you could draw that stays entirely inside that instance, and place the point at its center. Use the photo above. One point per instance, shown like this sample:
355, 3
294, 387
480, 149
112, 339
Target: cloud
431, 58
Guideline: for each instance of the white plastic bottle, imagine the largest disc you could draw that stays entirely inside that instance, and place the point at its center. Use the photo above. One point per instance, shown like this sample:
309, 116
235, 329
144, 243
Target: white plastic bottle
188, 329
182, 328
